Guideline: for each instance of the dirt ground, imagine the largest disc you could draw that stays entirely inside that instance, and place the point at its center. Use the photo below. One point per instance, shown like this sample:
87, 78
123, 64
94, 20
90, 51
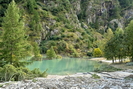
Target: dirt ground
117, 65
122, 66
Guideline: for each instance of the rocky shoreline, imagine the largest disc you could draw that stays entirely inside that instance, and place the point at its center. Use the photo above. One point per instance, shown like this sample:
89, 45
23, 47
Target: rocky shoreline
107, 80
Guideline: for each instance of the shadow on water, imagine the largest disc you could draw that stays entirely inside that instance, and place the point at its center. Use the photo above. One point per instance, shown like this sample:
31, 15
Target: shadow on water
65, 66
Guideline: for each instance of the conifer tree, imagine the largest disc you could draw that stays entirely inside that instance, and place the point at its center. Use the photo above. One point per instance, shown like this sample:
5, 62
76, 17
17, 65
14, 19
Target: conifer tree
14, 45
31, 5
129, 39
115, 47
109, 34
51, 53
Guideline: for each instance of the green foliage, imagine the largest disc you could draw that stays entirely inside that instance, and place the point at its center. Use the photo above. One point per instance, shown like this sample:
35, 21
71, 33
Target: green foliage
97, 52
95, 76
14, 45
115, 12
59, 57
51, 53
36, 49
89, 54
38, 73
126, 3
73, 51
36, 16
109, 34
11, 73
31, 5
128, 39
106, 68
115, 47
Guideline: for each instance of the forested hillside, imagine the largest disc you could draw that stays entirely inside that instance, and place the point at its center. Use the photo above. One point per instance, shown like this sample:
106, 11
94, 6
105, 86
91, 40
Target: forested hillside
74, 28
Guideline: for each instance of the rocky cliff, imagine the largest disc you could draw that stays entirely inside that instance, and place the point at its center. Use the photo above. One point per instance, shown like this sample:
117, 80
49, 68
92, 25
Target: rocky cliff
72, 26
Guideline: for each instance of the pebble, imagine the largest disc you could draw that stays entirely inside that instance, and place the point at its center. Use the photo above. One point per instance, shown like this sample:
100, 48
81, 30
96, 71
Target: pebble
80, 81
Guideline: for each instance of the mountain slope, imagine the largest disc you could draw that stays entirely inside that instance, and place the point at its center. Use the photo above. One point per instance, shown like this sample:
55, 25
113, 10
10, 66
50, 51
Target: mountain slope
71, 26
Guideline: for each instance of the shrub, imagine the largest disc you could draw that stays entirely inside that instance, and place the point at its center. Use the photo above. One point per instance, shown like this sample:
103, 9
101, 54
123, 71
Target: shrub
8, 71
77, 46
51, 53
37, 73
95, 76
62, 45
89, 54
106, 68
11, 73
97, 52
59, 57
129, 64
74, 52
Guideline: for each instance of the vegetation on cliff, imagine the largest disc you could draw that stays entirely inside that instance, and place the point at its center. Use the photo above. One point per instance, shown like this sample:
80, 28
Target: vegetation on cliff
66, 25
73, 28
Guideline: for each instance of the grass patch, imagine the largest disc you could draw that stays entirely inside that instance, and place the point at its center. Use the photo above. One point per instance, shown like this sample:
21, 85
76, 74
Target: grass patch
130, 77
95, 76
1, 85
107, 68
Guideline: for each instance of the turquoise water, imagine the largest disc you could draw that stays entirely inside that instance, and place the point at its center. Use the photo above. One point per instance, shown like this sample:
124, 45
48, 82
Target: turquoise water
65, 66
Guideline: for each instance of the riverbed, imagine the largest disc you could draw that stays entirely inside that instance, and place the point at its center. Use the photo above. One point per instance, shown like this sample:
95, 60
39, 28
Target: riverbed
107, 80
78, 80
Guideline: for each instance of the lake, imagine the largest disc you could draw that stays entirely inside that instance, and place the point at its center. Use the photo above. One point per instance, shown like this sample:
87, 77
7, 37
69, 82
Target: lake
65, 66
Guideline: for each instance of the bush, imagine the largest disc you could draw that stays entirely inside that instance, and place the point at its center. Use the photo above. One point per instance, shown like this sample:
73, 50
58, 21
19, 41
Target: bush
95, 76
37, 57
7, 72
77, 46
51, 53
11, 73
97, 52
129, 64
59, 57
74, 52
106, 68
89, 54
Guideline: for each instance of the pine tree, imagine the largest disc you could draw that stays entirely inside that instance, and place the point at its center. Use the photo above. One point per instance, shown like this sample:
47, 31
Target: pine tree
14, 45
109, 34
31, 5
115, 47
129, 39
51, 53
109, 50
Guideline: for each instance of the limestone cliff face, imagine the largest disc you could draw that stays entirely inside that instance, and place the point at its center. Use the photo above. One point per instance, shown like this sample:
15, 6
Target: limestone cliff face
69, 23
102, 13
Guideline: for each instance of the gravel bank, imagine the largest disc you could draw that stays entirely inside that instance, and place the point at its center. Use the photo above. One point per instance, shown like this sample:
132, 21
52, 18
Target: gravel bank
108, 80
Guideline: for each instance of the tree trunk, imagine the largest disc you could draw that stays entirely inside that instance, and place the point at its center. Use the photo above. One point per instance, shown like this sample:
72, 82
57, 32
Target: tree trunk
113, 61
131, 59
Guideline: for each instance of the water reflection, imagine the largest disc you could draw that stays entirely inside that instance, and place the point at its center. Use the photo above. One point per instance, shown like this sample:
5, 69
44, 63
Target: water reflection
65, 66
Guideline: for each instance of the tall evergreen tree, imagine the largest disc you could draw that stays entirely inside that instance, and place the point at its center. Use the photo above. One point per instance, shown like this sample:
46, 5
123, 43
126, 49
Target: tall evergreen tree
129, 39
119, 44
109, 50
115, 47
14, 45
